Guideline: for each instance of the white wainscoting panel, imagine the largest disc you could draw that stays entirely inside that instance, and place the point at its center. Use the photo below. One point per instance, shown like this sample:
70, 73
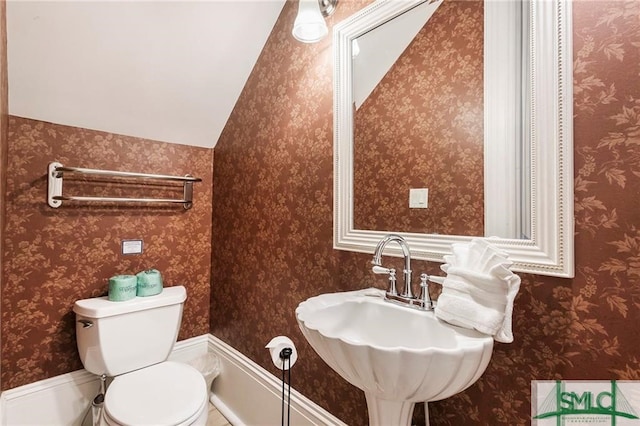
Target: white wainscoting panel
244, 392
65, 399
247, 394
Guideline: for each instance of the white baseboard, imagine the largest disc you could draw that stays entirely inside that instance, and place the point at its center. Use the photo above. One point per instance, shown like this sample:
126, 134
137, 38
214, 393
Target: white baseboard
65, 399
247, 394
244, 392
60, 400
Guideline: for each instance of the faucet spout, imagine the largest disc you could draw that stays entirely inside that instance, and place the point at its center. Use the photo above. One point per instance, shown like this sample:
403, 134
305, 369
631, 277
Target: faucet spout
406, 253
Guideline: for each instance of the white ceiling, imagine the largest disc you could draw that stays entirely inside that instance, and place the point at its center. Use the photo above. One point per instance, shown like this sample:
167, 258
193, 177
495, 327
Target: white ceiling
170, 71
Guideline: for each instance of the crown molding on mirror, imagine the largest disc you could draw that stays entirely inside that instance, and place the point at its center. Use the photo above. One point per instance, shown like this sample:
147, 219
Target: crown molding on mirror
547, 116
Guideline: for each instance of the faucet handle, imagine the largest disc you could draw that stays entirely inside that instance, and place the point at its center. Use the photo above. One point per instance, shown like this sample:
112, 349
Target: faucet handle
377, 269
436, 279
425, 297
392, 282
424, 278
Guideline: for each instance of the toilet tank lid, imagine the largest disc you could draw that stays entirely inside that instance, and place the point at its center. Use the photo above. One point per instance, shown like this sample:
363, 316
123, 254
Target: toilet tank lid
100, 307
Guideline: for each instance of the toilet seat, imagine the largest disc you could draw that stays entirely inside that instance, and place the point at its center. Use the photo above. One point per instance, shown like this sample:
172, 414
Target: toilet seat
165, 394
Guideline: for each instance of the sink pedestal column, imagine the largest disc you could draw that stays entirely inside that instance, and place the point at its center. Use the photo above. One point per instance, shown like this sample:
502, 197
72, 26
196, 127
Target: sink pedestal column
385, 413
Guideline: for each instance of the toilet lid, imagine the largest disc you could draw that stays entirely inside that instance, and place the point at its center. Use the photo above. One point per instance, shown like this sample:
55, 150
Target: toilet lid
165, 394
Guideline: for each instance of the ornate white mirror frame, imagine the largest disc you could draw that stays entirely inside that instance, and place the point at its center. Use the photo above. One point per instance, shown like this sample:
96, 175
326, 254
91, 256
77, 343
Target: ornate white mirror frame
548, 114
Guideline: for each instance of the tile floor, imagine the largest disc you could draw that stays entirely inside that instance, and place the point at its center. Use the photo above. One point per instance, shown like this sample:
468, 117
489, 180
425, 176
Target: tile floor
215, 418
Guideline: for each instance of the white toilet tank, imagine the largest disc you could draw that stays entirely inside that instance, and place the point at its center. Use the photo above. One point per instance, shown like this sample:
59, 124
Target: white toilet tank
118, 337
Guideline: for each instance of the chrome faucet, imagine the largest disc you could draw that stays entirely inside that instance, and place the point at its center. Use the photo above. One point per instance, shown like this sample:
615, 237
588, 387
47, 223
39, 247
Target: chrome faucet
407, 297
379, 269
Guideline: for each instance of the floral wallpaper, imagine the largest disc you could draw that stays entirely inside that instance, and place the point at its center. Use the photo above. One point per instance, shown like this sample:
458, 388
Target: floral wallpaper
4, 125
53, 257
422, 127
273, 226
272, 231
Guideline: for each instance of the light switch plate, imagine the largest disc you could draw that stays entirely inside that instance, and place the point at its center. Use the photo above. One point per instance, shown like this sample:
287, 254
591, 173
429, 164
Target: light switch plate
418, 198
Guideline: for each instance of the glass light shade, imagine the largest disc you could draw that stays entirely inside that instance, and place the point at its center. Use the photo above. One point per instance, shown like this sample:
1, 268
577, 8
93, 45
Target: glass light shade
309, 26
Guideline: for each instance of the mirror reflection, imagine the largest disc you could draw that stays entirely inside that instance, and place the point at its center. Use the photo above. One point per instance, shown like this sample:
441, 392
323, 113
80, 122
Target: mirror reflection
527, 169
419, 148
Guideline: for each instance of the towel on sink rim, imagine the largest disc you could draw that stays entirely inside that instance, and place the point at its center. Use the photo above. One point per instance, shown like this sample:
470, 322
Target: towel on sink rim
479, 289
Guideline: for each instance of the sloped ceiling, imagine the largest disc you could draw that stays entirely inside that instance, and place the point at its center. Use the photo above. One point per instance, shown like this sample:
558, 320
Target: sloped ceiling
170, 71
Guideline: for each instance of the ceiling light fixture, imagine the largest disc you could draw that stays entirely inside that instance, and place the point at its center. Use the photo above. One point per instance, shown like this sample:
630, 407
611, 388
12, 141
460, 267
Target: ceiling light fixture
309, 26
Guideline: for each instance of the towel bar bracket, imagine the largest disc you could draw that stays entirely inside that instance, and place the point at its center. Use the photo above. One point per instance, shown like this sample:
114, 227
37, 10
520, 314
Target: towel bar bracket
55, 175
54, 184
188, 194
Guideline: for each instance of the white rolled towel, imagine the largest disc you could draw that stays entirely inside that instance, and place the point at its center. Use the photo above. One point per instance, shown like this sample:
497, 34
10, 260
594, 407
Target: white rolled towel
479, 290
470, 304
461, 310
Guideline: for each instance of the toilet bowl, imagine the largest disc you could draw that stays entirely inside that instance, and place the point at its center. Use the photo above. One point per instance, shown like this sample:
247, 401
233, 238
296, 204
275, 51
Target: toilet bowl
165, 394
130, 342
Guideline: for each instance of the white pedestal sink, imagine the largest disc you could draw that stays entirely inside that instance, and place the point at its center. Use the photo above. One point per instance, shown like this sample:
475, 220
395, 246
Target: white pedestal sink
398, 356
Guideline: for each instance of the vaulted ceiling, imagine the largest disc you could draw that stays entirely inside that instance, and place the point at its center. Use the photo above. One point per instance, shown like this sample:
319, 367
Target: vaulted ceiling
163, 70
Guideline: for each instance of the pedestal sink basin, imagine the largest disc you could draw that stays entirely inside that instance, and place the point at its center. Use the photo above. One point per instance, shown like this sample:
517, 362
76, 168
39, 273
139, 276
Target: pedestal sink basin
397, 355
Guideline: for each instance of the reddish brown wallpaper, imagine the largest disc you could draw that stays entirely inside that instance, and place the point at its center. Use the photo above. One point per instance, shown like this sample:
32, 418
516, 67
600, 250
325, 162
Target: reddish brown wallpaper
54, 257
422, 127
4, 129
273, 226
272, 231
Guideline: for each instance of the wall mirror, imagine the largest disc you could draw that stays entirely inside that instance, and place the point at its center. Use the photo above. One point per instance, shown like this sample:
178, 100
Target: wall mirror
501, 167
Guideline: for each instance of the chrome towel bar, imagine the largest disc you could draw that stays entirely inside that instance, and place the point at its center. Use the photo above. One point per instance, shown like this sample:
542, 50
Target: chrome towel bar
56, 173
59, 169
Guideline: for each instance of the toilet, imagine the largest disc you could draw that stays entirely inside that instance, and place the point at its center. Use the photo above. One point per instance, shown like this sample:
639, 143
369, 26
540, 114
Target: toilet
130, 342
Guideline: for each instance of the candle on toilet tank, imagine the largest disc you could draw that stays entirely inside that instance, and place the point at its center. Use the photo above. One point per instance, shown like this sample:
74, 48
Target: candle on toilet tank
149, 283
122, 287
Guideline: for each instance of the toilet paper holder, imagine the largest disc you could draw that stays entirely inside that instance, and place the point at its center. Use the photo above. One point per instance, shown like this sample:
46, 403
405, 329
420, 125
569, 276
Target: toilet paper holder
282, 349
286, 353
